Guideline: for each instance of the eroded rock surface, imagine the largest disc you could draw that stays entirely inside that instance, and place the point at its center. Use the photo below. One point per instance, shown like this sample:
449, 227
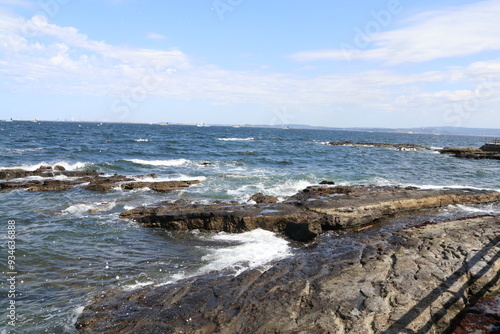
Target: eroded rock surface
308, 213
415, 280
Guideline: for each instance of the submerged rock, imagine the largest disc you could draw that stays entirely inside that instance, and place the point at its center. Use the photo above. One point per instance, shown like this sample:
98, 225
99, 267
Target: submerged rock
161, 186
308, 213
107, 183
414, 280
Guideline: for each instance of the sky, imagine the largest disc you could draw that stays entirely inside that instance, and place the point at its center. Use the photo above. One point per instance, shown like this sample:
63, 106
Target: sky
358, 63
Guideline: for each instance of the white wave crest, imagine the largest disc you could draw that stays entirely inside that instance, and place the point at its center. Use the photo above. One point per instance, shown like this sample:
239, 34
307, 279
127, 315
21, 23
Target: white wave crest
87, 208
288, 188
141, 140
66, 165
236, 139
20, 151
137, 285
180, 177
160, 163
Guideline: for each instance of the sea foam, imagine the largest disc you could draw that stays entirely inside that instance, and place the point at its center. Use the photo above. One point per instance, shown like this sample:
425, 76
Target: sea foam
245, 251
66, 165
160, 163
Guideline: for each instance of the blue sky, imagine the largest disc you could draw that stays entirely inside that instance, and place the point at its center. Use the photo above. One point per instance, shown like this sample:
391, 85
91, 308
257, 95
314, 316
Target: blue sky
391, 63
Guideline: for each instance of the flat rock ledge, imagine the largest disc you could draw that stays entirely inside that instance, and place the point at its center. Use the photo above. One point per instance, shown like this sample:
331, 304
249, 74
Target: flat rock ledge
471, 152
416, 280
402, 147
307, 214
89, 179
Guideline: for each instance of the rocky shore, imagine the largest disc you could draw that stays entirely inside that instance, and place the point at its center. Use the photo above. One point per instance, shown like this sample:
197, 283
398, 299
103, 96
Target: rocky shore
307, 214
57, 179
487, 151
407, 278
417, 280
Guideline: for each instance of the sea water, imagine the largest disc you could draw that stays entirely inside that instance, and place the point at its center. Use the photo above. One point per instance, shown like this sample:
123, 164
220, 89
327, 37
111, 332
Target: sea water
65, 255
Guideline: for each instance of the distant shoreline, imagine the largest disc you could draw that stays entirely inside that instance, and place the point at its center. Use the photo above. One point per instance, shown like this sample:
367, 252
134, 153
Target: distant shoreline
444, 130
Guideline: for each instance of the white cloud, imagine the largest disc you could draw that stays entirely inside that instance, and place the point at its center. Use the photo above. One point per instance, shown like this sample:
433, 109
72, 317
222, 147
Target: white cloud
457, 31
62, 60
37, 55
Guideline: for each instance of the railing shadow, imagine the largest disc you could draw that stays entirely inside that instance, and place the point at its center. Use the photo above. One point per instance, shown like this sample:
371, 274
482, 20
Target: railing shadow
400, 325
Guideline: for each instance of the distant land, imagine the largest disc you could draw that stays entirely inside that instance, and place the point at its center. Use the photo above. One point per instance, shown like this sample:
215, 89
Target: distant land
439, 130
444, 130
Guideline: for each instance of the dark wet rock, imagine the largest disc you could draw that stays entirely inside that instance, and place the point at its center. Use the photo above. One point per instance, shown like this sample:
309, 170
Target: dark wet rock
151, 176
19, 185
329, 183
162, 186
492, 147
330, 208
56, 185
107, 183
45, 171
227, 217
127, 183
43, 185
402, 147
260, 198
8, 174
59, 167
95, 181
470, 153
303, 232
412, 281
